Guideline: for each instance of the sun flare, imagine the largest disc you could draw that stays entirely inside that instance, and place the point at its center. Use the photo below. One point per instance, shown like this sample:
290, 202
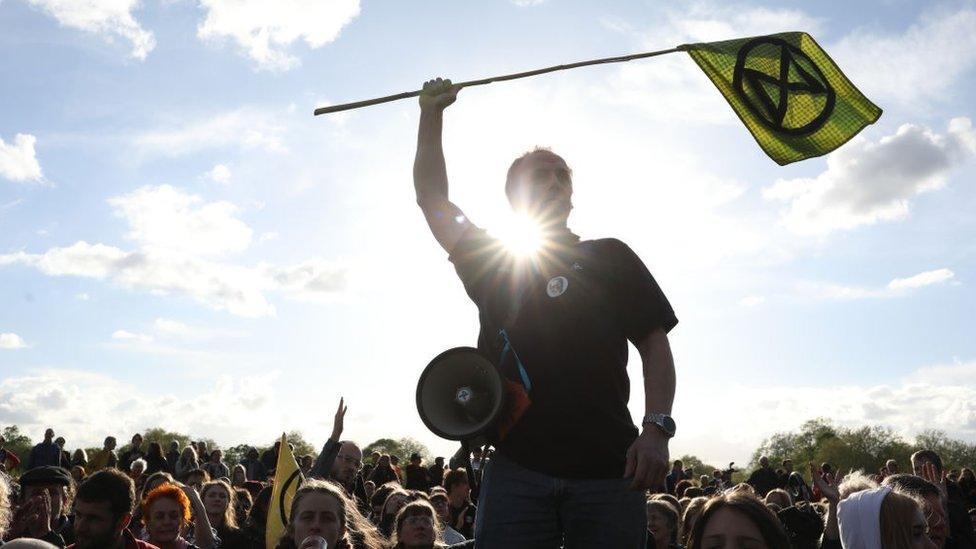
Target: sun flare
521, 235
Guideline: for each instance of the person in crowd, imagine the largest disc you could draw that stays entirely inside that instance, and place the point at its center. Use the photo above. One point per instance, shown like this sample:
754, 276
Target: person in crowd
137, 472
305, 463
374, 458
242, 507
369, 487
270, 457
172, 455
45, 453
78, 474
321, 508
442, 507
764, 478
417, 476
255, 526
928, 465
436, 471
44, 506
662, 525
383, 472
459, 495
9, 460
167, 511
155, 460
397, 498
216, 467
202, 452
341, 461
416, 527
103, 510
891, 467
395, 463
254, 468
882, 518
690, 515
196, 478
132, 453
65, 455
678, 490
238, 476
676, 475
187, 462
106, 457
378, 498
933, 505
737, 519
779, 497
79, 459
220, 502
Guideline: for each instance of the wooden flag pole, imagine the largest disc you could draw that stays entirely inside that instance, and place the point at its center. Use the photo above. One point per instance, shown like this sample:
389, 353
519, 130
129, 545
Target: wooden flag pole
404, 95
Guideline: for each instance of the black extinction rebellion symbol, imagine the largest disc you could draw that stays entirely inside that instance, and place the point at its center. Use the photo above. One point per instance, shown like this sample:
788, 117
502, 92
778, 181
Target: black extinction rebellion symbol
807, 78
281, 497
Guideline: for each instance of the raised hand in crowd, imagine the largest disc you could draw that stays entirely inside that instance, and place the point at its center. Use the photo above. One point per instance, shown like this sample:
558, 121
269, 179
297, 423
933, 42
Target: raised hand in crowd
338, 422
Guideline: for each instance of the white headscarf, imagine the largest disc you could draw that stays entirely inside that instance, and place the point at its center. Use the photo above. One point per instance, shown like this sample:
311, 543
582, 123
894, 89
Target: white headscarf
860, 519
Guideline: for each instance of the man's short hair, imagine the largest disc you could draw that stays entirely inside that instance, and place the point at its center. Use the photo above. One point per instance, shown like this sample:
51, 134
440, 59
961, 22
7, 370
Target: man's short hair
914, 485
928, 455
455, 477
510, 177
109, 485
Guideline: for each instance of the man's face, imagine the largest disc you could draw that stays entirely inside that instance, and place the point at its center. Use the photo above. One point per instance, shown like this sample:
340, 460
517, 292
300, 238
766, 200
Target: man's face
54, 491
110, 444
60, 442
543, 188
460, 490
442, 507
892, 467
95, 527
49, 435
215, 456
137, 441
347, 463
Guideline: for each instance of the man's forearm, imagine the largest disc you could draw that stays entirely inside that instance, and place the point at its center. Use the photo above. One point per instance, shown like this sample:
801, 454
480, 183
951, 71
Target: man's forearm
429, 167
659, 376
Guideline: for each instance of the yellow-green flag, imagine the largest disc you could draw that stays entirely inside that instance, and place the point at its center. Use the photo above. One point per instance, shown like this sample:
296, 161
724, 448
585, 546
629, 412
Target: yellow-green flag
288, 477
788, 92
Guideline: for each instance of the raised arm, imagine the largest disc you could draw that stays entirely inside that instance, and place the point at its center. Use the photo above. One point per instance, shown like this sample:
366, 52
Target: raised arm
647, 458
446, 221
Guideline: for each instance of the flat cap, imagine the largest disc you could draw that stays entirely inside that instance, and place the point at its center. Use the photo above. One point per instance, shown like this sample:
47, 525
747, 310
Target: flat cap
49, 474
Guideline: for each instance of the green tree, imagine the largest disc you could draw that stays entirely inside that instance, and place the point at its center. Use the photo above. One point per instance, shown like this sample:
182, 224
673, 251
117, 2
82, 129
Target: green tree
301, 446
401, 448
18, 443
700, 467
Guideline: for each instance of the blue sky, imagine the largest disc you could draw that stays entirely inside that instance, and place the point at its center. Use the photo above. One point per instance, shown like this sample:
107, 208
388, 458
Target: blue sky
183, 244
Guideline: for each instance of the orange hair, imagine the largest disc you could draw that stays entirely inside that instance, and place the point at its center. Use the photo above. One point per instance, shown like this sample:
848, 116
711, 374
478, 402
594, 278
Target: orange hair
166, 491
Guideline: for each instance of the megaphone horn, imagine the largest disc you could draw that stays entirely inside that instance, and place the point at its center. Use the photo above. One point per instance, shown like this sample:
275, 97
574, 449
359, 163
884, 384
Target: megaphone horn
460, 394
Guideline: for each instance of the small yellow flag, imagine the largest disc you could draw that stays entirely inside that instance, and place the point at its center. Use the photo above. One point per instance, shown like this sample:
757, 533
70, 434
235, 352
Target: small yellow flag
288, 477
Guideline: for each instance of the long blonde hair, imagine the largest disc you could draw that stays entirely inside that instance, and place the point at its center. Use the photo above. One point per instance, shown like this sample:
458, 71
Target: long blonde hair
359, 532
230, 516
898, 511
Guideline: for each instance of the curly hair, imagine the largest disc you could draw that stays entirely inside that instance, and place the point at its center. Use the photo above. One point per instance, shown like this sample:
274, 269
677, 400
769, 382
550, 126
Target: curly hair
360, 532
230, 516
166, 491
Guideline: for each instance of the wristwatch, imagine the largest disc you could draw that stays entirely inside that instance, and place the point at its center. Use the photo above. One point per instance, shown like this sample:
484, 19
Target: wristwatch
664, 422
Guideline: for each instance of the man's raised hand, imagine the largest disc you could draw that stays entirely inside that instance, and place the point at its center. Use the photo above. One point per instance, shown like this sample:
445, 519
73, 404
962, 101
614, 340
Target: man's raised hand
340, 416
438, 94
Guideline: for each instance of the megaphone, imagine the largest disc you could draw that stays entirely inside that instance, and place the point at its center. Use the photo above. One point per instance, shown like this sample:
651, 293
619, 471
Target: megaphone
461, 395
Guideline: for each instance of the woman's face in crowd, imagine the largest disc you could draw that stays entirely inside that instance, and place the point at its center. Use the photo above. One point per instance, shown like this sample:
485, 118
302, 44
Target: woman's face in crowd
657, 525
417, 531
215, 500
920, 536
164, 521
239, 476
443, 508
318, 514
730, 529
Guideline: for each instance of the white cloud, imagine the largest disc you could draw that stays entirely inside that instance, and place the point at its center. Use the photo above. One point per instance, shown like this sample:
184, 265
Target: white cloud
219, 174
106, 17
168, 220
85, 407
922, 64
11, 341
82, 297
265, 30
866, 183
127, 335
171, 327
18, 161
944, 396
175, 233
752, 300
927, 278
245, 129
898, 287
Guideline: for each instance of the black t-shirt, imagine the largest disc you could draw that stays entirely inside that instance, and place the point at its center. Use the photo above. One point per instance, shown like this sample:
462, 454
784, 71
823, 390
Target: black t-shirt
568, 316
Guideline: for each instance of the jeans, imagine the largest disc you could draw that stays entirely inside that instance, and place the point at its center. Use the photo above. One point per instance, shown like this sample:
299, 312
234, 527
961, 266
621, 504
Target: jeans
519, 508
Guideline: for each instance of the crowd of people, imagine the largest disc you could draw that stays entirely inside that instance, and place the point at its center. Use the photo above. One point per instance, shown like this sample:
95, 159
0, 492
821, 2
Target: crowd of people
186, 498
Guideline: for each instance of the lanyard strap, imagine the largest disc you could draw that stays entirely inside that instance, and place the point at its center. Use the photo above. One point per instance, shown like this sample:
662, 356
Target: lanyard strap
507, 350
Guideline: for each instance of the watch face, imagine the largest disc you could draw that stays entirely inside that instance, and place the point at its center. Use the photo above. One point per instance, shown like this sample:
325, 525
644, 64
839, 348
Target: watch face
668, 424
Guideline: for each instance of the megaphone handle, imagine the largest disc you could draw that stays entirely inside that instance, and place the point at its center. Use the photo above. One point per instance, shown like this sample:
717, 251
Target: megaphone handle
472, 481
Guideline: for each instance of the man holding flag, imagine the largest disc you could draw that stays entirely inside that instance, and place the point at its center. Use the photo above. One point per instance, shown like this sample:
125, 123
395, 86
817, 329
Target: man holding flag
573, 468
